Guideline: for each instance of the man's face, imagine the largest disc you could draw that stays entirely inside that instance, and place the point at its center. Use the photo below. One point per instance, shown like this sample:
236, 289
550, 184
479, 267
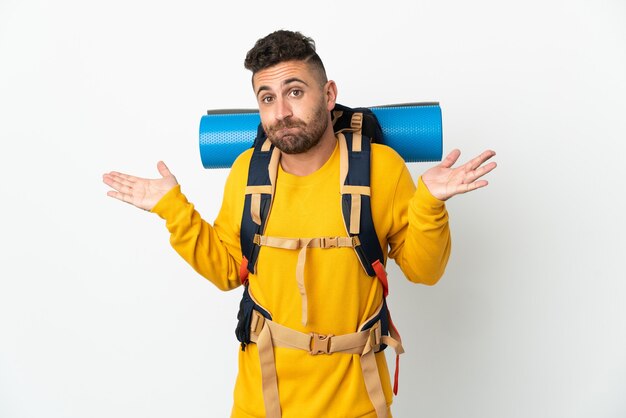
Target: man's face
293, 105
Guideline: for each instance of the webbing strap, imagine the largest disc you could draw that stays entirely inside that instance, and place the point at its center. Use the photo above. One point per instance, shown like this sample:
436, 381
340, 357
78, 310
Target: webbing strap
256, 191
268, 334
343, 159
286, 337
336, 115
243, 270
302, 244
297, 243
372, 383
259, 189
272, 168
360, 190
381, 274
300, 280
356, 123
395, 336
255, 208
269, 382
266, 145
355, 214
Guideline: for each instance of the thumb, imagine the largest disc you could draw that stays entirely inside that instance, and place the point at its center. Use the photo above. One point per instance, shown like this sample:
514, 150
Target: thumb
163, 170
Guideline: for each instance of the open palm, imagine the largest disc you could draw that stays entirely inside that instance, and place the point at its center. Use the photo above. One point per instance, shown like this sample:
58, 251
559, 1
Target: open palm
443, 181
140, 192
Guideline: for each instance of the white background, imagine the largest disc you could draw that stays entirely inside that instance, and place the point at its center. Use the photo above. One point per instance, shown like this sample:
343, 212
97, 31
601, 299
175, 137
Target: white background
100, 318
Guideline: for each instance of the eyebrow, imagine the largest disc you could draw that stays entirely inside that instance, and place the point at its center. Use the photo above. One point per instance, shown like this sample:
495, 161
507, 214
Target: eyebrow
284, 83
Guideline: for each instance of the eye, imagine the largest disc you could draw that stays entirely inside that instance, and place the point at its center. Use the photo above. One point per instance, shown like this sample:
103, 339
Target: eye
267, 99
296, 93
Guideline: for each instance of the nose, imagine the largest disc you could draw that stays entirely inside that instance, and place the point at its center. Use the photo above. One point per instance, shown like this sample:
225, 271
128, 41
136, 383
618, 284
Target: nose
283, 109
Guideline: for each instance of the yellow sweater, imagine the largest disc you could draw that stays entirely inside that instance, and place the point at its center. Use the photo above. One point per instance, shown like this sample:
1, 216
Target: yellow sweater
412, 227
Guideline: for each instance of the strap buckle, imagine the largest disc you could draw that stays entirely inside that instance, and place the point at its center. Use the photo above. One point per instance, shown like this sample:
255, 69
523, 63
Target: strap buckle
257, 322
375, 337
356, 122
320, 343
329, 242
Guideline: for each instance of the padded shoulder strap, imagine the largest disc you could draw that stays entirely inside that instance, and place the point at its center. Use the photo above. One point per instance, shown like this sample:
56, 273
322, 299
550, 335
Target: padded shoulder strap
356, 198
258, 202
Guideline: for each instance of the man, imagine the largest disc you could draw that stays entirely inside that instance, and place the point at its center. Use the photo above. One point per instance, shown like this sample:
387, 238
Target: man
316, 291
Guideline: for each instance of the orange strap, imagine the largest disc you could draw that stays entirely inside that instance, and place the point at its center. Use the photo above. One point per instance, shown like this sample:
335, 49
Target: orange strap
243, 270
382, 276
393, 332
396, 375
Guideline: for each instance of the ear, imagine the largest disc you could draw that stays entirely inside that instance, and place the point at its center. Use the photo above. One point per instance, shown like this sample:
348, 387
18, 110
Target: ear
330, 91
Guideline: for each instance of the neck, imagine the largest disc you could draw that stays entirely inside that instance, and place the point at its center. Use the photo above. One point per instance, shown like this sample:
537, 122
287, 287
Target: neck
309, 162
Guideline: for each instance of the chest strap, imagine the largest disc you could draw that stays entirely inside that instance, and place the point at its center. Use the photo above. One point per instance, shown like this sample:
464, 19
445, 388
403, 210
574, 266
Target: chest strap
268, 334
302, 244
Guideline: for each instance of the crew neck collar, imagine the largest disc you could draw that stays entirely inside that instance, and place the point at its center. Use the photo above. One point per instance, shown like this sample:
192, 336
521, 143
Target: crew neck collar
318, 175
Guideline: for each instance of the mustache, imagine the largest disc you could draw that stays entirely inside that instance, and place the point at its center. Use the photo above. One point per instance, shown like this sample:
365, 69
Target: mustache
285, 124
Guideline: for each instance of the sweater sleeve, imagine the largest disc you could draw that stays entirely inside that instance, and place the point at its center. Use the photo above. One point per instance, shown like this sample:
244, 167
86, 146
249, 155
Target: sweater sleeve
213, 251
420, 240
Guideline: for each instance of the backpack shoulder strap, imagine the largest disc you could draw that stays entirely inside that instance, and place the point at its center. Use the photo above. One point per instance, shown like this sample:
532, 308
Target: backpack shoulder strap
258, 201
354, 177
356, 130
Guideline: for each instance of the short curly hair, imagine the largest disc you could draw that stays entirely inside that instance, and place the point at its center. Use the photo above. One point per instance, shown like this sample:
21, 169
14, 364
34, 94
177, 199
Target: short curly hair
282, 46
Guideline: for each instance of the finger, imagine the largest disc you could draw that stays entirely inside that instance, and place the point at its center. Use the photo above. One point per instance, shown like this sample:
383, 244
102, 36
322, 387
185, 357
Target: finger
480, 171
119, 196
477, 161
128, 181
123, 176
110, 181
450, 159
128, 177
464, 188
163, 170
117, 185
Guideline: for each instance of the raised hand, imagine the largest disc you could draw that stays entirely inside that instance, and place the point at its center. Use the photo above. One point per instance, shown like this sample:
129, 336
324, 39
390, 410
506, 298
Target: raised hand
443, 181
140, 192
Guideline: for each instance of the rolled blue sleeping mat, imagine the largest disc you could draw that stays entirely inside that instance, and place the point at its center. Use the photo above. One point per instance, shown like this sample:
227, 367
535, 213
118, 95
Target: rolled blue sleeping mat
413, 130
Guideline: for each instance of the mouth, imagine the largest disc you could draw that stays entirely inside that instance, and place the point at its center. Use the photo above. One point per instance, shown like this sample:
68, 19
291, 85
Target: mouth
286, 132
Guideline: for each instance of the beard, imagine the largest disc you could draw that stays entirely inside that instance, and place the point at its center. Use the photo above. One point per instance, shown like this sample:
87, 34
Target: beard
309, 135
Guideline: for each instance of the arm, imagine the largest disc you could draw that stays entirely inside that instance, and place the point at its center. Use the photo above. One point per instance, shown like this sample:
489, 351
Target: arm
206, 250
420, 241
199, 243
